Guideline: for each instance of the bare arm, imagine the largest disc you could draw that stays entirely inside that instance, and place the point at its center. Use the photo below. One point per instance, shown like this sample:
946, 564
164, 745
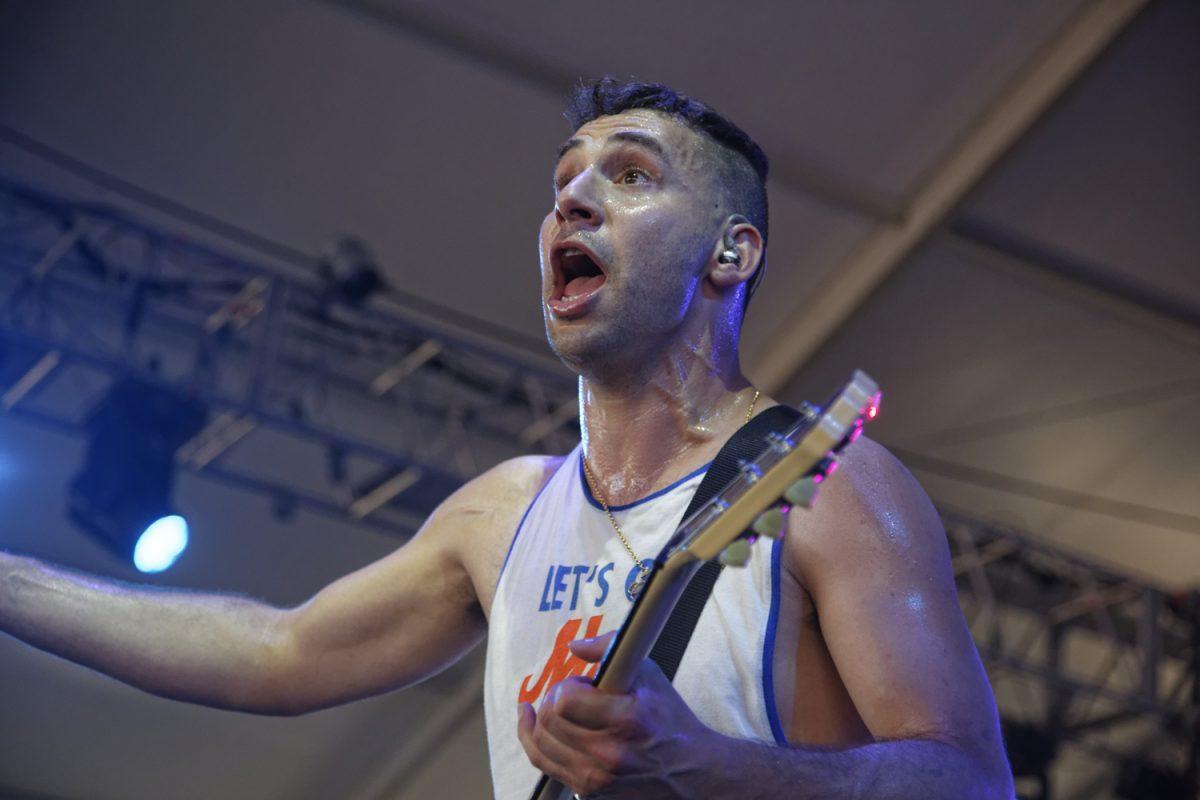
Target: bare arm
387, 625
203, 648
874, 559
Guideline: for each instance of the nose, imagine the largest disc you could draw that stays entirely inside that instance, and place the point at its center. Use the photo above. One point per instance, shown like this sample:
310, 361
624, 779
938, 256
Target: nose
577, 202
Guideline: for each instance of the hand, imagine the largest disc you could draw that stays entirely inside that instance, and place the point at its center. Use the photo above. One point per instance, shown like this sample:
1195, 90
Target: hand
640, 744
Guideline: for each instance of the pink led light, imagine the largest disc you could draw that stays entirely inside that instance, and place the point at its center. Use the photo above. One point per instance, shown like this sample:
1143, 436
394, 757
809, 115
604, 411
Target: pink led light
857, 432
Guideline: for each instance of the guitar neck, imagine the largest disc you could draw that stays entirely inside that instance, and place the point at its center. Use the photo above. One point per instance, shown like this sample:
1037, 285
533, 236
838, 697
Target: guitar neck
633, 643
646, 620
705, 533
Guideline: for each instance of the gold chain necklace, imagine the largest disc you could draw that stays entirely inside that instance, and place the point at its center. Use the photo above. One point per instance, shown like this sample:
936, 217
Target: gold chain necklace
643, 570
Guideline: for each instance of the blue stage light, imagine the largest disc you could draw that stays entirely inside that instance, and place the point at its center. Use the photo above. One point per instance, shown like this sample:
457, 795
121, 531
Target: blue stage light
161, 544
122, 494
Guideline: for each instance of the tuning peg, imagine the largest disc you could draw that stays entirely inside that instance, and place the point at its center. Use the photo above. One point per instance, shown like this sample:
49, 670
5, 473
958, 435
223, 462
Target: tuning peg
780, 443
769, 523
750, 471
873, 405
803, 492
736, 554
850, 437
825, 467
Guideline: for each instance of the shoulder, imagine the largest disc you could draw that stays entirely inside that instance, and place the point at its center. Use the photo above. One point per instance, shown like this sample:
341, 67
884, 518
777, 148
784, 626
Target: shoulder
516, 480
870, 513
480, 518
493, 499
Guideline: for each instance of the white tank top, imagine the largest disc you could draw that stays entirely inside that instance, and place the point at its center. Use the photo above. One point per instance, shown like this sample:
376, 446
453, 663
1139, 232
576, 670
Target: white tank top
566, 577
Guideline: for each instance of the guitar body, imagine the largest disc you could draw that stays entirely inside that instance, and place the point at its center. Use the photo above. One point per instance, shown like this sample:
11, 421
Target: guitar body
784, 476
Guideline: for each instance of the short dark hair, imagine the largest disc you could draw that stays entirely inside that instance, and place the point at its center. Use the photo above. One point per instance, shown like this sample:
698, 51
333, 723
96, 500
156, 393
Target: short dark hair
745, 163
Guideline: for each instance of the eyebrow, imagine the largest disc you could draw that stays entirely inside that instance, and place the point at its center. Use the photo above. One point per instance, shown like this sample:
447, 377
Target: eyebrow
642, 140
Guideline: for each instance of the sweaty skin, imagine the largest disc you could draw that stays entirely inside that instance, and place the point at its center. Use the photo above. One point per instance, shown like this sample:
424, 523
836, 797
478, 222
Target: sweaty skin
878, 683
660, 385
874, 657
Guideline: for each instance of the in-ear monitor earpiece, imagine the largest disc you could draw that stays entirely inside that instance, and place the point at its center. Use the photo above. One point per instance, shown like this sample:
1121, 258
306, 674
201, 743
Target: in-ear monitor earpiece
730, 254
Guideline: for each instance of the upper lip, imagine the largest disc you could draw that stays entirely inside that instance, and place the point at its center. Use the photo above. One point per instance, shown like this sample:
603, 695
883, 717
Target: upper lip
556, 262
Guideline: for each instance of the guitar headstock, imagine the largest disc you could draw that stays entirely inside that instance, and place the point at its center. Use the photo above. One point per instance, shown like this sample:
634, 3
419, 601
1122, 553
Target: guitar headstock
788, 473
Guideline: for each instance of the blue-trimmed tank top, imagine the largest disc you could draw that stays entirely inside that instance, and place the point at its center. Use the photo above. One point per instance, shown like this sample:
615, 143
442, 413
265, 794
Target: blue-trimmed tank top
566, 577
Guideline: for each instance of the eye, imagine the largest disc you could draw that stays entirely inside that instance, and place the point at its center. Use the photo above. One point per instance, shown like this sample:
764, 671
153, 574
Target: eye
633, 175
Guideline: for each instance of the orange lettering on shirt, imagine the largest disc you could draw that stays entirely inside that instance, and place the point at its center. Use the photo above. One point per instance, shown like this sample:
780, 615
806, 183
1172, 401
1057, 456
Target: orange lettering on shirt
562, 663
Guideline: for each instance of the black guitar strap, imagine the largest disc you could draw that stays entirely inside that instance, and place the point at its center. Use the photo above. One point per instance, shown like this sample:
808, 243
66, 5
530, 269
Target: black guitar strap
745, 445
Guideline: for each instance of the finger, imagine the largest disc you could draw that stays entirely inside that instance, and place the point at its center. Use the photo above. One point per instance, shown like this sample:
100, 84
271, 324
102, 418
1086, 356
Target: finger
577, 757
571, 734
536, 744
590, 756
564, 747
576, 701
526, 719
591, 649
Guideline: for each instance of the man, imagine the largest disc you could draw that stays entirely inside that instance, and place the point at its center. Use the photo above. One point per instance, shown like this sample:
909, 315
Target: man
837, 666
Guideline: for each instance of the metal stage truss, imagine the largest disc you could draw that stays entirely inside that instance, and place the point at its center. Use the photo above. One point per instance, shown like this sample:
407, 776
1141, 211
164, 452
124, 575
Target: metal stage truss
393, 408
378, 411
1084, 660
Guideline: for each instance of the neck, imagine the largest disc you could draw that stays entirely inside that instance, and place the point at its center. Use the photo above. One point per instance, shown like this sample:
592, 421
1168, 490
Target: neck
658, 423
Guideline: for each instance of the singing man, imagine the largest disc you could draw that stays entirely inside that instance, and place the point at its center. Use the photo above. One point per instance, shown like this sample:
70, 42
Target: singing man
837, 664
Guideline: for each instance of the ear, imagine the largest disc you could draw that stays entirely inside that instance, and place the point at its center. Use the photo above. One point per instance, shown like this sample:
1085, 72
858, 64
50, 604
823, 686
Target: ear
745, 240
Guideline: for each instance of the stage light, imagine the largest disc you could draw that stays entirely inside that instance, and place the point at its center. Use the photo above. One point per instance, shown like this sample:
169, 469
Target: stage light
122, 496
873, 408
161, 544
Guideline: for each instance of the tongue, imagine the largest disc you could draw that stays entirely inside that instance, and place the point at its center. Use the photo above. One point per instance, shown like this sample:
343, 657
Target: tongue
583, 285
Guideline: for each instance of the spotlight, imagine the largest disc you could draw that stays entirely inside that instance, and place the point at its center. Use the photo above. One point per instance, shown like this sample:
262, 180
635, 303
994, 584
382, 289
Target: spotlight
122, 494
161, 543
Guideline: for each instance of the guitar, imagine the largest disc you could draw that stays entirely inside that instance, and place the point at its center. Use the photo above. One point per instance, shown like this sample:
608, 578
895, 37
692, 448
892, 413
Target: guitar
787, 474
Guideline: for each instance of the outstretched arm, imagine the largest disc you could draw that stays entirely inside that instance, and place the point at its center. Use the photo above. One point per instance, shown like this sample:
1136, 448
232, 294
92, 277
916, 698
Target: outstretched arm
873, 557
387, 625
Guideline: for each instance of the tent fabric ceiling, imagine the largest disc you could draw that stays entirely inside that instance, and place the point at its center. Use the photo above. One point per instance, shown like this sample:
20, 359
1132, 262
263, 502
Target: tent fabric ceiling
1110, 176
297, 121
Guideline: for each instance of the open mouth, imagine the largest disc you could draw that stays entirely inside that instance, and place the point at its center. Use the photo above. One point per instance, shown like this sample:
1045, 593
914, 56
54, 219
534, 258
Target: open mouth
577, 279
